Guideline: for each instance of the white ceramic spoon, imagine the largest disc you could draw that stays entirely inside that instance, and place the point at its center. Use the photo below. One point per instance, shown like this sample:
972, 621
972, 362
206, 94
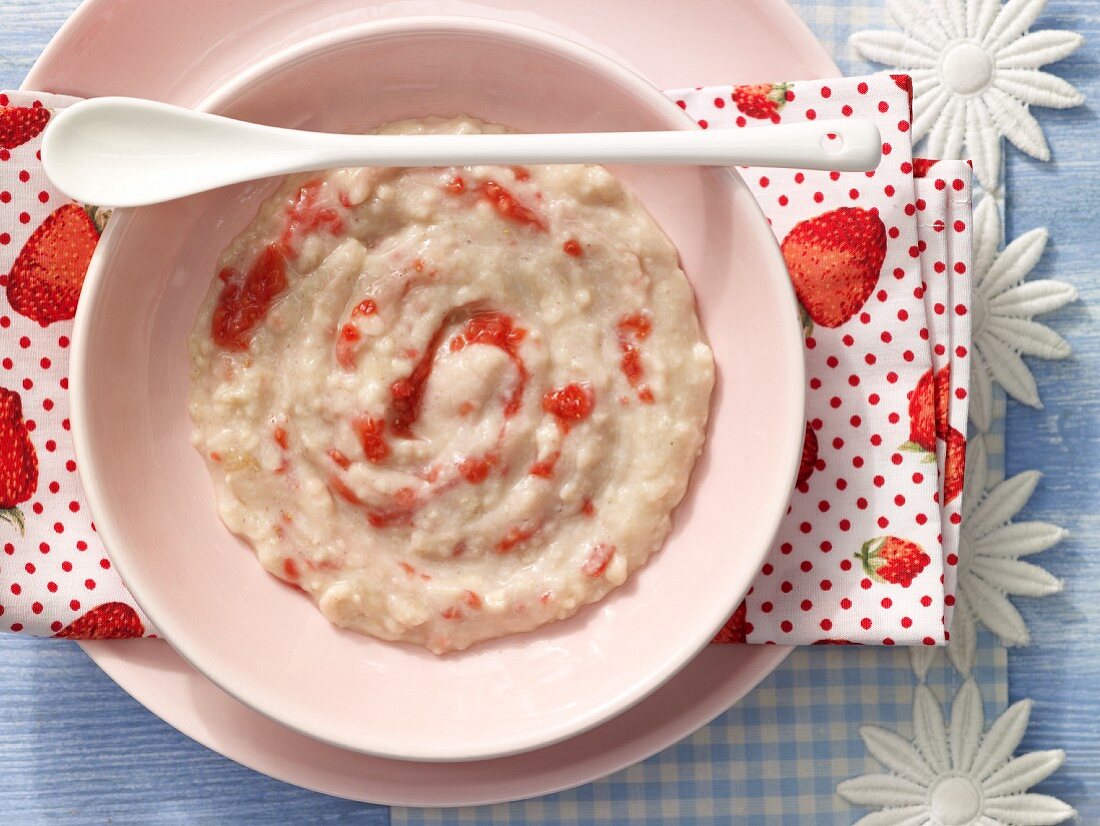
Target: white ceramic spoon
125, 152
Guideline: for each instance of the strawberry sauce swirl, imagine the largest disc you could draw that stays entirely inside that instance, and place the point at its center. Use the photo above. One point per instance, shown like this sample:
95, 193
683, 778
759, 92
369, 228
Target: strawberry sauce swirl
428, 398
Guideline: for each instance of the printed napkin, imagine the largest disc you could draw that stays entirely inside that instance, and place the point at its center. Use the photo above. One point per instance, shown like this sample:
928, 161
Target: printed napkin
55, 577
879, 261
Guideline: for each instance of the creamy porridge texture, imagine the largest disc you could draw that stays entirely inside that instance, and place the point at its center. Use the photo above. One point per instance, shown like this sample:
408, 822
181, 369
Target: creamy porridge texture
450, 404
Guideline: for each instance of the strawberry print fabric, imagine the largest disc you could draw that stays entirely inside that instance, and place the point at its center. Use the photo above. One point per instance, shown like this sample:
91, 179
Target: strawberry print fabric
55, 577
944, 233
880, 265
879, 262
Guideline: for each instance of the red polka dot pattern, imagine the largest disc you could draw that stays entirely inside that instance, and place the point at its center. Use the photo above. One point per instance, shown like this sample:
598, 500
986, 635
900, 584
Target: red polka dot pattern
861, 544
52, 579
945, 229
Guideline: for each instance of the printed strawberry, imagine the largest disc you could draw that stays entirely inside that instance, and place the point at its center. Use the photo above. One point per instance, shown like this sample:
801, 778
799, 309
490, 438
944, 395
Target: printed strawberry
894, 560
834, 261
110, 621
954, 465
922, 415
18, 461
735, 629
921, 167
905, 83
929, 411
809, 456
45, 280
762, 100
943, 401
19, 124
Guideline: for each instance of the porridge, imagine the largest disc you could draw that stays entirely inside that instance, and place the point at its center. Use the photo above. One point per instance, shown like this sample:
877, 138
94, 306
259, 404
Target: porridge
450, 404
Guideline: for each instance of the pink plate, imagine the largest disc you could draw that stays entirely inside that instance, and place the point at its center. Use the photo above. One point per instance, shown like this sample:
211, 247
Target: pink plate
265, 643
172, 690
193, 57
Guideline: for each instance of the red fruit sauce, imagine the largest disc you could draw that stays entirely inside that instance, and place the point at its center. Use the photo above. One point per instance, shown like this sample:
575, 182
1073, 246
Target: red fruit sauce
633, 329
345, 346
305, 216
545, 469
598, 560
404, 505
508, 207
636, 325
631, 364
371, 437
245, 300
572, 247
336, 484
569, 404
364, 308
497, 330
406, 394
475, 469
513, 538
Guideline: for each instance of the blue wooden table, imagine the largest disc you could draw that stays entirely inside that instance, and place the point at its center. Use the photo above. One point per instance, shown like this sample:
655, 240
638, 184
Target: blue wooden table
76, 749
1061, 670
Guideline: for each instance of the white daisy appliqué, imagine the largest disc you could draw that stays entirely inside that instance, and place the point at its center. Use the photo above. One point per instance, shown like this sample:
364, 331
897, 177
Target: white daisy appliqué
989, 565
1003, 307
976, 72
956, 774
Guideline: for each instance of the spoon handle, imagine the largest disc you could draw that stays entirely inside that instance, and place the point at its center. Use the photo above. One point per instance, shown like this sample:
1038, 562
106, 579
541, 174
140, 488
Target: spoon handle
842, 145
125, 152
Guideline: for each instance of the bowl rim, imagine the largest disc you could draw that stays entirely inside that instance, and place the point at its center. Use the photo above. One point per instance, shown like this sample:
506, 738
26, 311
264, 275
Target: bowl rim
518, 742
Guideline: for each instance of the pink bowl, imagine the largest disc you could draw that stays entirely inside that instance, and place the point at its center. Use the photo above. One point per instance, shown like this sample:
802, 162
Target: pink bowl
266, 644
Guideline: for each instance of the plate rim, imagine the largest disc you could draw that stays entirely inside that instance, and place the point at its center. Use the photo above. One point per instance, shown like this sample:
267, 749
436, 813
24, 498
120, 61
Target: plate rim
682, 647
105, 654
820, 65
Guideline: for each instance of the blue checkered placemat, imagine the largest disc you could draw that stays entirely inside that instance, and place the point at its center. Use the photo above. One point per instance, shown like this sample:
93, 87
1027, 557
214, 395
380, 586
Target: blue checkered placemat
777, 756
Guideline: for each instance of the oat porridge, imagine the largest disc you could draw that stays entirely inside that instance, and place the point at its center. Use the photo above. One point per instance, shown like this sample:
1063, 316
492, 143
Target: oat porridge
450, 404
